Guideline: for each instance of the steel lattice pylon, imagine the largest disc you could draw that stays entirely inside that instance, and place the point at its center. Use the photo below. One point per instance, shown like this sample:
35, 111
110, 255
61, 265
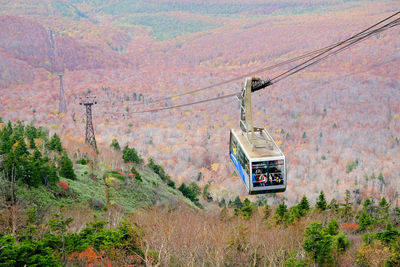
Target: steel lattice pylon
62, 107
90, 139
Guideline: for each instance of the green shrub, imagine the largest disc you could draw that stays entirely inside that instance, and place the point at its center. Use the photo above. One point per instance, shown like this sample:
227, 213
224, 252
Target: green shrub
114, 144
82, 161
171, 184
25, 253
295, 261
351, 166
341, 242
157, 169
115, 174
206, 195
191, 192
138, 177
130, 155
247, 209
237, 203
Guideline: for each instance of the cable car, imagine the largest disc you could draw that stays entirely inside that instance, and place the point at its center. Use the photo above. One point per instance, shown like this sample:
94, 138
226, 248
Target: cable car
255, 155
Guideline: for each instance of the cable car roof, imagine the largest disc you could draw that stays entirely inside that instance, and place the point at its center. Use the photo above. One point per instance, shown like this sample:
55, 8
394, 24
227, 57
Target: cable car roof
257, 152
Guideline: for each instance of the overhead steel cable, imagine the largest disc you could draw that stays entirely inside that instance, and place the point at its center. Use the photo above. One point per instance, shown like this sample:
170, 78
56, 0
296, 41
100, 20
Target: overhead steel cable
359, 37
239, 77
308, 54
317, 58
187, 104
236, 94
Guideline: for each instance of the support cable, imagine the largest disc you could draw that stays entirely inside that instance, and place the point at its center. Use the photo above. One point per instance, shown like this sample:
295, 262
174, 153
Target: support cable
357, 38
317, 52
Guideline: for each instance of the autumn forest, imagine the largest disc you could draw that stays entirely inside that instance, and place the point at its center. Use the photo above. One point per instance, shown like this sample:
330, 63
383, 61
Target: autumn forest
161, 189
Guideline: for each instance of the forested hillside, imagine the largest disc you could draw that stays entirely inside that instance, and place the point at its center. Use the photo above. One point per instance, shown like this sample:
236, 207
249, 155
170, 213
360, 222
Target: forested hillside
338, 122
39, 173
62, 207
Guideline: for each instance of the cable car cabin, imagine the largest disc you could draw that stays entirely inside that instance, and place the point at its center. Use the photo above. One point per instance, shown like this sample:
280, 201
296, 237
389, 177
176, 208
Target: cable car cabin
262, 169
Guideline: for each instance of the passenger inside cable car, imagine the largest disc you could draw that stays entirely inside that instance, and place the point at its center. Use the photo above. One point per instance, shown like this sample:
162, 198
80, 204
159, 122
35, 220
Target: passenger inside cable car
267, 173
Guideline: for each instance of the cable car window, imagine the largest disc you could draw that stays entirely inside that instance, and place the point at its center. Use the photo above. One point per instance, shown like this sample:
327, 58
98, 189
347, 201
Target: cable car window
268, 173
243, 160
237, 151
276, 174
260, 174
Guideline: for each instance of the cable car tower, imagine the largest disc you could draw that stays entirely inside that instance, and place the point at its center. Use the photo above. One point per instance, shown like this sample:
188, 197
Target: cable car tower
62, 106
258, 160
90, 139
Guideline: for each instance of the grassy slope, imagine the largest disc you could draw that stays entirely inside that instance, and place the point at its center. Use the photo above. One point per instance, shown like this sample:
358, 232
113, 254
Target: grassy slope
129, 194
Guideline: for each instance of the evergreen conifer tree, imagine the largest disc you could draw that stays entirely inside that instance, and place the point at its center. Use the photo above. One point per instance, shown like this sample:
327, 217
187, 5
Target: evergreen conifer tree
281, 211
21, 149
364, 221
332, 227
318, 244
267, 211
348, 206
32, 144
321, 202
304, 204
66, 167
237, 203
384, 208
55, 143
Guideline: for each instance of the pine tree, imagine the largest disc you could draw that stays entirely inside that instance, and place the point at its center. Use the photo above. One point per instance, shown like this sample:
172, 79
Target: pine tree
32, 144
18, 131
33, 170
333, 205
332, 227
5, 136
66, 167
304, 205
348, 206
247, 209
267, 211
321, 202
364, 221
59, 224
318, 244
384, 208
21, 149
55, 143
237, 203
281, 211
